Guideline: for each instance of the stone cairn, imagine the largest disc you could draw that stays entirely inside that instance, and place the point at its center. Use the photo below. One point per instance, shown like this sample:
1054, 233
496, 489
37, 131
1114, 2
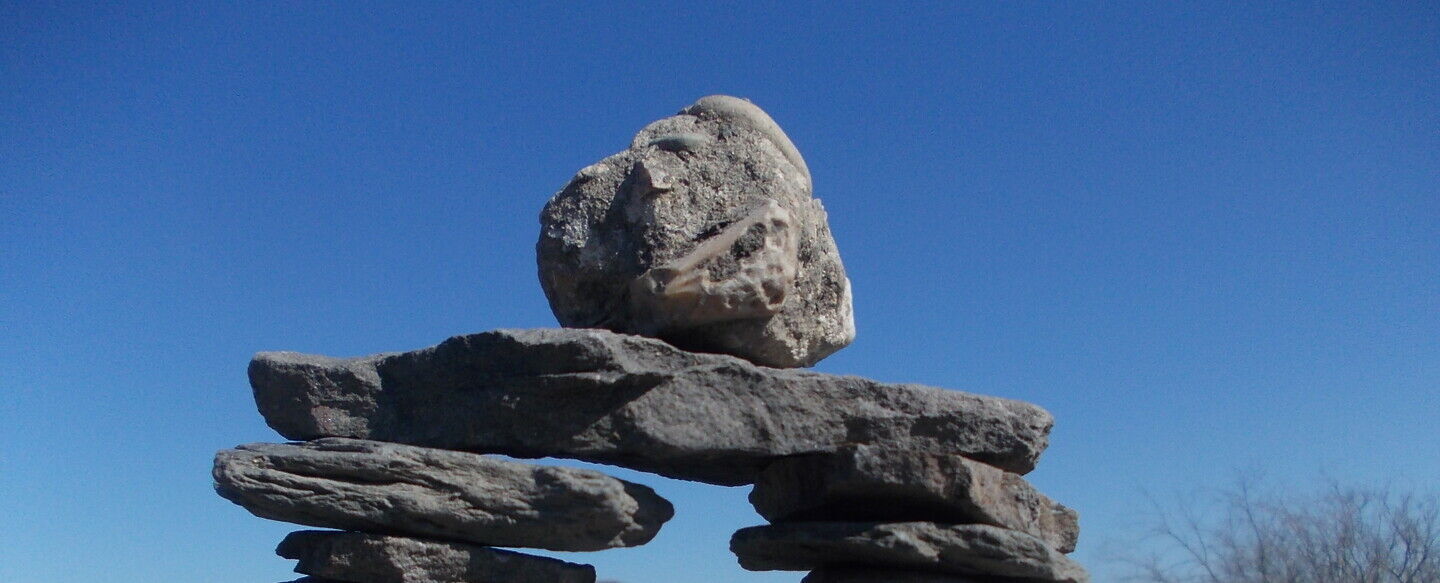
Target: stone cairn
694, 273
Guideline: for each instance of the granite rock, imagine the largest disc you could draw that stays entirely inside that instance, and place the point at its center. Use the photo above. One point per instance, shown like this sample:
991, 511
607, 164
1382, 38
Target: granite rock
371, 558
961, 549
878, 483
703, 233
630, 401
400, 489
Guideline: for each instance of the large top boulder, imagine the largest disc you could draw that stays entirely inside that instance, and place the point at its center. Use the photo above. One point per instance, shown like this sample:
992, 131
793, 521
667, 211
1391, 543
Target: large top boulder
702, 233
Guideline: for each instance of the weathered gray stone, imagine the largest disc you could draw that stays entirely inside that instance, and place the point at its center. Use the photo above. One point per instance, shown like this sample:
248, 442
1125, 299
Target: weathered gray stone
371, 558
879, 483
703, 233
871, 575
961, 549
626, 400
400, 489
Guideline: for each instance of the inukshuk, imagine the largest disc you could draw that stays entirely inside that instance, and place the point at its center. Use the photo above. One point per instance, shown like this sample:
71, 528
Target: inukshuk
694, 273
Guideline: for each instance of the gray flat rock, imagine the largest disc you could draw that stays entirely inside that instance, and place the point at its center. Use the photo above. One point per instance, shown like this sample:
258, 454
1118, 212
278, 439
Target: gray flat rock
870, 575
627, 400
878, 483
961, 549
370, 558
704, 233
400, 489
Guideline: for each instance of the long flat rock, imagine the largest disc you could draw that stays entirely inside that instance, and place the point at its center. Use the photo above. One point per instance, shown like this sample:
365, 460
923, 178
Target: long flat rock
877, 483
960, 549
866, 575
371, 558
628, 400
400, 489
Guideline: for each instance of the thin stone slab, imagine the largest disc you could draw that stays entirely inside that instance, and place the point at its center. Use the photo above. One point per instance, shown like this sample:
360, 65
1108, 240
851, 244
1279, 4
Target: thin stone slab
627, 400
370, 558
960, 549
400, 489
878, 483
703, 233
869, 575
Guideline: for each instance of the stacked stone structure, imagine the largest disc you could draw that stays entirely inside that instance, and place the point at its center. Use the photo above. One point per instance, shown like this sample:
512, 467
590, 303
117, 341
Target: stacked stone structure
694, 271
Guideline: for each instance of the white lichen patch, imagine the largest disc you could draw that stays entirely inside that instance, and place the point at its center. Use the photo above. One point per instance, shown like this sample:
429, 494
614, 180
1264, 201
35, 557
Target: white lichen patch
745, 271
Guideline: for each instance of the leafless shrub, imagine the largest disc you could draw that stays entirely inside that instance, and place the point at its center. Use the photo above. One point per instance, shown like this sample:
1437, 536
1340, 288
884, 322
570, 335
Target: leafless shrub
1340, 535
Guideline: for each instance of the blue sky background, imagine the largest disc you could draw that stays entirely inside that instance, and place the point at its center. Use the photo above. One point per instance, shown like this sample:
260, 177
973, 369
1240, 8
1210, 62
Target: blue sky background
1205, 236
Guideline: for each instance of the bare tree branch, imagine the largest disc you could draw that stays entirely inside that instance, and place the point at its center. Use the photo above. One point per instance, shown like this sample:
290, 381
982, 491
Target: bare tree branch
1339, 535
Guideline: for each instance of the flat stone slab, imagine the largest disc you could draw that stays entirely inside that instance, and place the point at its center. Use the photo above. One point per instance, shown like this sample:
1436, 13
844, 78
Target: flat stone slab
400, 489
878, 483
370, 558
868, 575
960, 549
627, 400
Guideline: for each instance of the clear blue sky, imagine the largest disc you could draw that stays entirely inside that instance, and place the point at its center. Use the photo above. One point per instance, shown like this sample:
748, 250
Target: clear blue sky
1207, 238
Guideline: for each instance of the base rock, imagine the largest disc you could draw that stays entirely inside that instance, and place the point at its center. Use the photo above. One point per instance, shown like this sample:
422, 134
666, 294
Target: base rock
877, 483
961, 549
627, 400
369, 558
400, 489
867, 575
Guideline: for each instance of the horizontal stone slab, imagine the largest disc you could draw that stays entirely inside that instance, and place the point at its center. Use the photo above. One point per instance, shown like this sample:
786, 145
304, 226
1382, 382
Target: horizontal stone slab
371, 558
877, 483
867, 575
400, 489
630, 401
960, 549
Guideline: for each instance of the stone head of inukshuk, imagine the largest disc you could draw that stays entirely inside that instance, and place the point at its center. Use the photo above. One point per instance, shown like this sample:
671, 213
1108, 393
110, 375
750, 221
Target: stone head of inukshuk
702, 233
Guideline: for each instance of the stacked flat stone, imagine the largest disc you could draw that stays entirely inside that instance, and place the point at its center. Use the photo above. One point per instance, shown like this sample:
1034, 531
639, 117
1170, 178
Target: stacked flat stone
885, 513
813, 444
694, 273
419, 515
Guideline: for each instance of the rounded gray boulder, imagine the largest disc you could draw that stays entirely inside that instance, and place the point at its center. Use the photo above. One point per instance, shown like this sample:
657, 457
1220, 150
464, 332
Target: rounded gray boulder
702, 233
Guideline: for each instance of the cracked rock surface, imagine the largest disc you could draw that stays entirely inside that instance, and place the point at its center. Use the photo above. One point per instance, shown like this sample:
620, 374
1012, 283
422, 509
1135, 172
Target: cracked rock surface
703, 233
399, 489
369, 558
631, 401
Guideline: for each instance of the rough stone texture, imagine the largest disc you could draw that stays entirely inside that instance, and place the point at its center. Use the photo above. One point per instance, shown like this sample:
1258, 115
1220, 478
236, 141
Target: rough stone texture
703, 233
631, 401
870, 575
878, 483
369, 558
401, 489
962, 549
